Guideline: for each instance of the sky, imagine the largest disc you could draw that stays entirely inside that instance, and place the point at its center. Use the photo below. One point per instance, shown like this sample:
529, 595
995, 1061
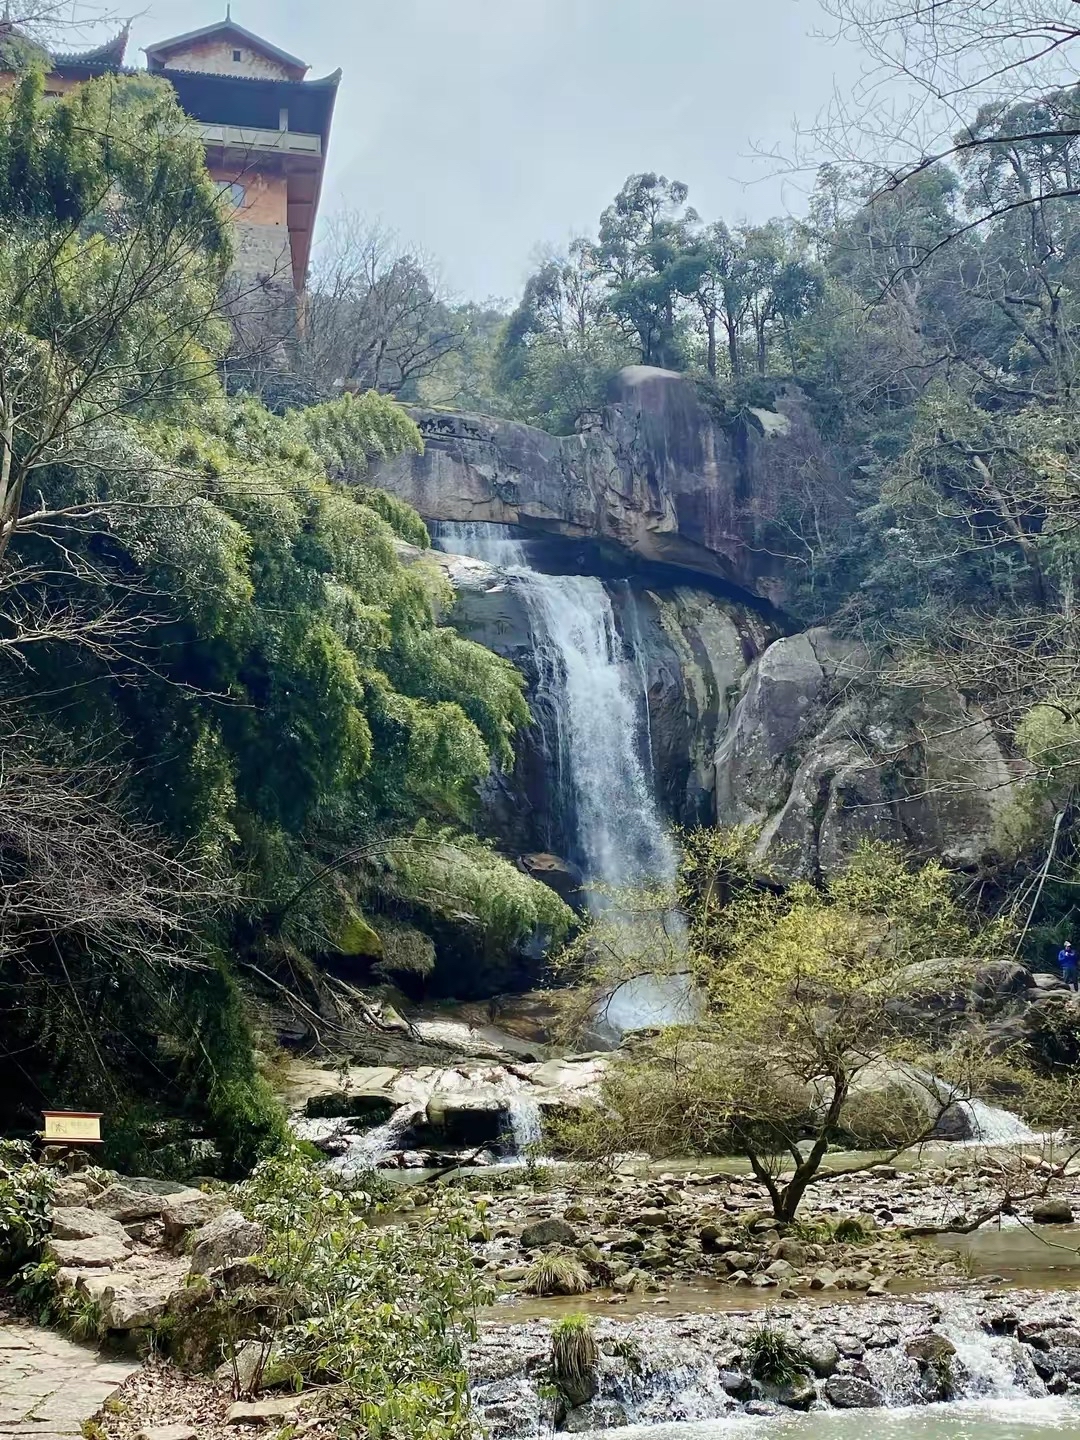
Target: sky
482, 130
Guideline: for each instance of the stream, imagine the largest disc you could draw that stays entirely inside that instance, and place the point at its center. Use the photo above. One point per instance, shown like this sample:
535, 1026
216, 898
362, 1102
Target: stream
972, 1420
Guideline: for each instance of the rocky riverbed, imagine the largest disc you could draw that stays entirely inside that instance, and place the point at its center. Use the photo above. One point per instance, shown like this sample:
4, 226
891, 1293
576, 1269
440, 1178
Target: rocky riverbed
633, 1233
843, 1357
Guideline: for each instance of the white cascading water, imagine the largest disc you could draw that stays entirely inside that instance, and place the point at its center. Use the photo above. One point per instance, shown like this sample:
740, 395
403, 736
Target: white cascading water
597, 741
526, 1124
990, 1125
366, 1151
599, 710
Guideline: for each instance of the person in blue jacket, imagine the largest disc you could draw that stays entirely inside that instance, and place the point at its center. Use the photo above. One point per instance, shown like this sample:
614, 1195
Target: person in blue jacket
1067, 959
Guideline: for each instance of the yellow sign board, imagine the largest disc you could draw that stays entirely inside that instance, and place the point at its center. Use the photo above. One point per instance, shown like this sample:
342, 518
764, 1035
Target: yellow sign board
66, 1127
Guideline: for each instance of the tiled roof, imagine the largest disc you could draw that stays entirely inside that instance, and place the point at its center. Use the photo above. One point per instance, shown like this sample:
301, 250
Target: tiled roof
110, 54
325, 82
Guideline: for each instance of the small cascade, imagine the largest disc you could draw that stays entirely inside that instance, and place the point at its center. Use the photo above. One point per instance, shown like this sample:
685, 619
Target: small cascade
991, 1367
525, 1124
990, 1125
367, 1150
656, 1374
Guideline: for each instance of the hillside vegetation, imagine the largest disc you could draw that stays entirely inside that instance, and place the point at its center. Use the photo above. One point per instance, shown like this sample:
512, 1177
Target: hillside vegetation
217, 677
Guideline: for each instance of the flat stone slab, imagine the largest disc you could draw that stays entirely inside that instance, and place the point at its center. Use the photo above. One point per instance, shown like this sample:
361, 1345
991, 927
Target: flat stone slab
49, 1385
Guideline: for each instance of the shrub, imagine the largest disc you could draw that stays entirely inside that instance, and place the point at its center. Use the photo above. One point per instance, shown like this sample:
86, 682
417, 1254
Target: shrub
888, 1119
556, 1275
26, 1189
382, 1311
850, 1231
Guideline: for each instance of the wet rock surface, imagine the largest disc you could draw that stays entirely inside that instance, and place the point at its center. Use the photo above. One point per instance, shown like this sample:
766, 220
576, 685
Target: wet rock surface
701, 1367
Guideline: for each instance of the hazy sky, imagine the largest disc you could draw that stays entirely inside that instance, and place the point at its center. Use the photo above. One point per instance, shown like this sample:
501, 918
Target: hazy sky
480, 129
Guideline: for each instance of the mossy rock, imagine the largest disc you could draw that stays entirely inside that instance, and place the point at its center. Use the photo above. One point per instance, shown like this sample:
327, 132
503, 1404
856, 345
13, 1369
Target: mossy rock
203, 1321
357, 938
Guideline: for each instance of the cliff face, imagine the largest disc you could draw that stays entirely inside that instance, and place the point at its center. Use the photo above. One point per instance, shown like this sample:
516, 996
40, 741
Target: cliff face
657, 473
794, 733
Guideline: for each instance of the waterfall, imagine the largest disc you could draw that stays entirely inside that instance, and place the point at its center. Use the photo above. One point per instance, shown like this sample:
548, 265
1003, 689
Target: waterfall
366, 1151
592, 695
659, 1377
525, 1122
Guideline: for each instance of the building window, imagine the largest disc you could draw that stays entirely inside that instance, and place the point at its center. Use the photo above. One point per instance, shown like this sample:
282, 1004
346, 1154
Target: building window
237, 55
235, 194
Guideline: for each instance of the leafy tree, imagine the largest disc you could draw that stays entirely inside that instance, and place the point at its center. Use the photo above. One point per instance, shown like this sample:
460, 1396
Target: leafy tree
643, 239
807, 991
561, 346
210, 602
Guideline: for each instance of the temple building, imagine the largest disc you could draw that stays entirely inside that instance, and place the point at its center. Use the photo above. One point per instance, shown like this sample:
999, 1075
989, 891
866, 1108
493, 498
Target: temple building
264, 124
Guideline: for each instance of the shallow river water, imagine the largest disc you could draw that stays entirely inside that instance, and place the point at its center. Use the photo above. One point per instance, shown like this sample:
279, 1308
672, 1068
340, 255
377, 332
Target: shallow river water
1020, 1419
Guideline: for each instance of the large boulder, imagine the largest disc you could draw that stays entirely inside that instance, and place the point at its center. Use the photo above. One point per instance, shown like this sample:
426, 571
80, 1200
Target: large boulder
78, 1223
227, 1237
131, 1200
185, 1215
847, 1392
95, 1252
659, 472
468, 1118
821, 755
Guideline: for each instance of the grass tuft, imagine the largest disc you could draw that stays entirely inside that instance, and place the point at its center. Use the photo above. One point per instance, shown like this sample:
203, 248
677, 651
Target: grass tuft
556, 1275
774, 1357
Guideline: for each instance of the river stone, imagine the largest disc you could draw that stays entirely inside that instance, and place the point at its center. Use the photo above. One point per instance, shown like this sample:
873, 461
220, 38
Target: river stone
1065, 1361
821, 1355
780, 1270
228, 1237
599, 1415
542, 1233
798, 1393
78, 1223
850, 1346
649, 1219
824, 1280
739, 1386
715, 1240
930, 1348
1051, 1212
793, 1251
848, 1393
740, 1260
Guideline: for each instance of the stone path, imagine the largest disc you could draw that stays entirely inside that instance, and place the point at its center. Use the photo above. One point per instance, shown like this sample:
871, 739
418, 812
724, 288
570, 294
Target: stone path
49, 1386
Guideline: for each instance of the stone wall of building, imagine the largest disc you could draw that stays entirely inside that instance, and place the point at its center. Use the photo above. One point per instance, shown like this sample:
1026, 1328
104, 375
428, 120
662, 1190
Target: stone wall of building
266, 197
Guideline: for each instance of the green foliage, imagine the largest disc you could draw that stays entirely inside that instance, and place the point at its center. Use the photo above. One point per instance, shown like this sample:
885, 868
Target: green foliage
556, 1274
339, 1316
26, 1189
773, 1356
805, 988
850, 1231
